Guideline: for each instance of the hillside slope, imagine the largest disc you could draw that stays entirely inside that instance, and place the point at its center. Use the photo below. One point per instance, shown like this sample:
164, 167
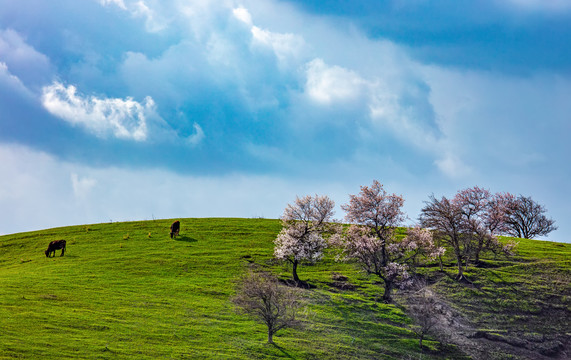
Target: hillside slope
126, 290
519, 306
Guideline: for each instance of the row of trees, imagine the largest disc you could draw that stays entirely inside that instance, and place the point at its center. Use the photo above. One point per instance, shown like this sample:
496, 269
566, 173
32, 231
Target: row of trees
468, 224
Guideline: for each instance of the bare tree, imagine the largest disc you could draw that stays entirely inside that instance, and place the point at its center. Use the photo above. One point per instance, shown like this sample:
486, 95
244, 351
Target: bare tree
301, 238
424, 310
525, 218
371, 240
260, 295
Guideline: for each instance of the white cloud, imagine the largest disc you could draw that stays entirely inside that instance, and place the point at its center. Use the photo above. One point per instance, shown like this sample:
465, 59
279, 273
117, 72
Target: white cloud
123, 118
197, 137
153, 21
406, 112
12, 82
25, 62
243, 15
382, 104
118, 3
368, 85
82, 186
326, 84
453, 167
285, 46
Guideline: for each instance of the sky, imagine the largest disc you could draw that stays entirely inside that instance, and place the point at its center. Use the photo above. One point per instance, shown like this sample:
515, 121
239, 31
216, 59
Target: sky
118, 110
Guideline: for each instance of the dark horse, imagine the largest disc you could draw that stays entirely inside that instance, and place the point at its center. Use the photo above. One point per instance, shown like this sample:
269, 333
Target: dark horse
55, 245
175, 228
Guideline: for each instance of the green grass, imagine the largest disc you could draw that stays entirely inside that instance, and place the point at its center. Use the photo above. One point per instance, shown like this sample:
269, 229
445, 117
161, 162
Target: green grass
128, 291
527, 293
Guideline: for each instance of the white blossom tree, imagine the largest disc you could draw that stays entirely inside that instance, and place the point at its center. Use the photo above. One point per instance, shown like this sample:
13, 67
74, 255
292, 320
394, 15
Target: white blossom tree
304, 224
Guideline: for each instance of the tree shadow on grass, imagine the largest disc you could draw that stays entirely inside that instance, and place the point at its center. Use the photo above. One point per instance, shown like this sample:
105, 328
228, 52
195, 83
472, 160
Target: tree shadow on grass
299, 284
287, 355
185, 238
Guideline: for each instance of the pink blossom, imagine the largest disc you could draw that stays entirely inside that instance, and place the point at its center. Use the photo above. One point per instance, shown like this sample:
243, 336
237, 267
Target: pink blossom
371, 240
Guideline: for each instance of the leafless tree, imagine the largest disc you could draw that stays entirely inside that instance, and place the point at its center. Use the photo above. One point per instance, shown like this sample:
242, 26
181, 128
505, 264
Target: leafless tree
260, 295
526, 218
423, 309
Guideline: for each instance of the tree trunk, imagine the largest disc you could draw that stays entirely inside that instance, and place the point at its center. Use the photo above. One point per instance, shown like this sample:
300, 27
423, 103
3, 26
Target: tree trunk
460, 276
388, 288
270, 337
294, 272
440, 262
420, 341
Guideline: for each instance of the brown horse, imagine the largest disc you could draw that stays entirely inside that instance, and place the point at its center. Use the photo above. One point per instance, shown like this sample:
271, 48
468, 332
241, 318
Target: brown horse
55, 245
175, 228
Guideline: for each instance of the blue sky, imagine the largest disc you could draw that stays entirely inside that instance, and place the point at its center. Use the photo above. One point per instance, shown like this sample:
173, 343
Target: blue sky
138, 109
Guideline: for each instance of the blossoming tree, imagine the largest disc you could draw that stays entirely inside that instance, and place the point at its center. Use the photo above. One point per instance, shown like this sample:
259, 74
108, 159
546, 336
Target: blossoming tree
301, 238
469, 223
484, 218
371, 239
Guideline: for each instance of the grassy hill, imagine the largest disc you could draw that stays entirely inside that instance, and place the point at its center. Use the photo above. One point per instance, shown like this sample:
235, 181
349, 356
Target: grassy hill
126, 290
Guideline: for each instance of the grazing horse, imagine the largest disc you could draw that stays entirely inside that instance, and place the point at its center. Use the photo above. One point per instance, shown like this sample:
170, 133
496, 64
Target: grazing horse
175, 228
55, 245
